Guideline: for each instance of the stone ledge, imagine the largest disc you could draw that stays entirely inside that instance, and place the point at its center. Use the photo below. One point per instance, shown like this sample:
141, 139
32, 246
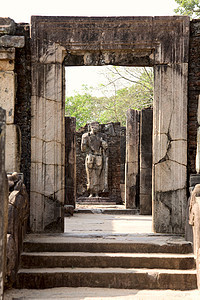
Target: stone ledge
12, 41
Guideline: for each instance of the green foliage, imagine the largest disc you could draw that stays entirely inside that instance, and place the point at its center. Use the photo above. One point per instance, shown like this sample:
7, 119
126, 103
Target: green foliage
81, 107
188, 7
112, 107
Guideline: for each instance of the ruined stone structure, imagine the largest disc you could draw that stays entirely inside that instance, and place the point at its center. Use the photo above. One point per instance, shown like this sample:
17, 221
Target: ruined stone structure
32, 81
66, 41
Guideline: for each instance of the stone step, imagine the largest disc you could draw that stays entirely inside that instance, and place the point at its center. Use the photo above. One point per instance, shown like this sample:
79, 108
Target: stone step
107, 211
105, 260
103, 245
107, 278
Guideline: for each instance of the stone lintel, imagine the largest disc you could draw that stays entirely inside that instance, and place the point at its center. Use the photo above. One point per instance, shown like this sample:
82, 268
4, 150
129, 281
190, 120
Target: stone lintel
12, 41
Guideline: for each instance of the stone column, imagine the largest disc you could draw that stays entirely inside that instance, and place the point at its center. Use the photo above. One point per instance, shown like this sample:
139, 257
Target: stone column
47, 142
132, 159
170, 148
123, 162
146, 128
8, 43
3, 201
70, 161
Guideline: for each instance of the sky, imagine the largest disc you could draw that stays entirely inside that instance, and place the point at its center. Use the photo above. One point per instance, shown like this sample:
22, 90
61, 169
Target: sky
22, 10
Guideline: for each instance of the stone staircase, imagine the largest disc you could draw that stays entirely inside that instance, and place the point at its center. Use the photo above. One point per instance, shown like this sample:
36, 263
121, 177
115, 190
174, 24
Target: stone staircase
127, 262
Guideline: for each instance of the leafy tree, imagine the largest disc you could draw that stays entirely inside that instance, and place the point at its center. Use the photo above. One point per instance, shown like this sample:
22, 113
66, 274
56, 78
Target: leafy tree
188, 7
80, 106
117, 97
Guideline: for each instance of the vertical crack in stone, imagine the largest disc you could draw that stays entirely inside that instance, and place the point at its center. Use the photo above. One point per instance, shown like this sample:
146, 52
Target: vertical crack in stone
166, 156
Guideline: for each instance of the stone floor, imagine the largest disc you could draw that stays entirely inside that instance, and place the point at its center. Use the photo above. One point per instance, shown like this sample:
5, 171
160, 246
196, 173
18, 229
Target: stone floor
109, 227
107, 224
99, 293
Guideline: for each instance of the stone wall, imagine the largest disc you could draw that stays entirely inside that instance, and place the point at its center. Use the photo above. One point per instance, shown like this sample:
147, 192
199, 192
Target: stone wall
112, 130
193, 92
9, 42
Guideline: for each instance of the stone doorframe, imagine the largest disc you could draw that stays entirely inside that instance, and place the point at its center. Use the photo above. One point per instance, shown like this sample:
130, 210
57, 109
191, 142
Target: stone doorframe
161, 42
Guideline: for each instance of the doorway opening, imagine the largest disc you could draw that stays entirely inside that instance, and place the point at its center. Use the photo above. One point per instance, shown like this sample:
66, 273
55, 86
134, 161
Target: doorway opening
104, 94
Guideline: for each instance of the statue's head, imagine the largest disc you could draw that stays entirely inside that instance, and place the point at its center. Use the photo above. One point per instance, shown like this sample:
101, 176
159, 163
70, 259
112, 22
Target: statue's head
94, 127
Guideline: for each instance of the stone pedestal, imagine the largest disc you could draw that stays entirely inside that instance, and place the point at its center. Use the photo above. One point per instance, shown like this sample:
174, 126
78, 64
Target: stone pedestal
132, 159
70, 161
146, 128
95, 201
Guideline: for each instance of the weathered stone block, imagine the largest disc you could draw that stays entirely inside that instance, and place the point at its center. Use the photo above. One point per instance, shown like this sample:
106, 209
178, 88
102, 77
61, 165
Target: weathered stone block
12, 41
7, 54
6, 65
170, 148
7, 94
13, 148
7, 26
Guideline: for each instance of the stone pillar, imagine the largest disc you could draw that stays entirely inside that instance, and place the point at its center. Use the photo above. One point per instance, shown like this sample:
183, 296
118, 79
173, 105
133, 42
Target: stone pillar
113, 132
8, 43
146, 128
70, 161
3, 201
170, 148
132, 159
123, 162
47, 141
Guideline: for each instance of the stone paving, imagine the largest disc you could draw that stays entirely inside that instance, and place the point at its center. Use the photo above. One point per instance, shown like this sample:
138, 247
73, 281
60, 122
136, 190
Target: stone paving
100, 293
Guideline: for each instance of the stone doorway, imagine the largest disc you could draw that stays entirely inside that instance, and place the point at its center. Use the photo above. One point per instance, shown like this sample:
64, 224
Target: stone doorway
96, 88
133, 41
